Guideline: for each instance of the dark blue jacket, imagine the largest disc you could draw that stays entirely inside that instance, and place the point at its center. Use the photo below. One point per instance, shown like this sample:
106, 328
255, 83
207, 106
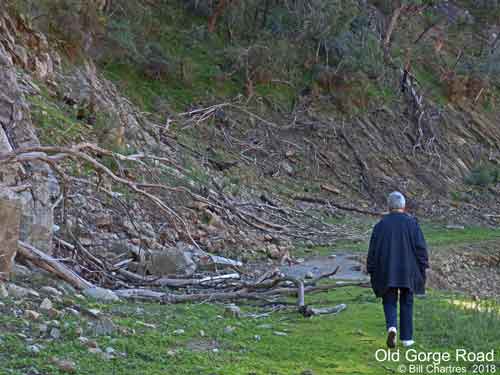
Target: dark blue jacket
398, 254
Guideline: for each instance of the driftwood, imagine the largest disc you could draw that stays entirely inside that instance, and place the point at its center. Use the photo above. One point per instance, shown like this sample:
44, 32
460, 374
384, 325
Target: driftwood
328, 310
267, 287
49, 264
269, 218
170, 298
310, 199
54, 154
177, 283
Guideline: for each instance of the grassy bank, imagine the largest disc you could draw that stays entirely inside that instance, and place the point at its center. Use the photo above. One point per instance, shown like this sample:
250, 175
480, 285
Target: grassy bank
437, 235
282, 343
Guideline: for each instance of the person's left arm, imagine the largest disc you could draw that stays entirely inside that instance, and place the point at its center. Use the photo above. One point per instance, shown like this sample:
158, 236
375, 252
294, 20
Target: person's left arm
371, 260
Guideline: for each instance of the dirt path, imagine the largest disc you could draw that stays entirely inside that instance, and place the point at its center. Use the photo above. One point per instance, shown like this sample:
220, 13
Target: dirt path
472, 269
350, 267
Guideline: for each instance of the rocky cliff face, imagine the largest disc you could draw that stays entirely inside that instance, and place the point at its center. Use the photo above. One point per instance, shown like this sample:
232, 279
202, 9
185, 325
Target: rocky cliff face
25, 58
33, 183
29, 192
9, 231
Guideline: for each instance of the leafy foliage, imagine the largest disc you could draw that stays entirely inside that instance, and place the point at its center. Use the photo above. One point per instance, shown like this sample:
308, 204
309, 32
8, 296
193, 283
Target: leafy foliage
254, 47
74, 24
483, 176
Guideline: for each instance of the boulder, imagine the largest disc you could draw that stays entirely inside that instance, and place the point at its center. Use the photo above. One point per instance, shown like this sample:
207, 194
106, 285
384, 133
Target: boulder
171, 261
101, 294
4, 293
46, 305
16, 291
232, 311
37, 220
10, 218
17, 131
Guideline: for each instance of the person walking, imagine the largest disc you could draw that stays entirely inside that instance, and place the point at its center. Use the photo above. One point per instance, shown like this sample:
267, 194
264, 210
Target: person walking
397, 262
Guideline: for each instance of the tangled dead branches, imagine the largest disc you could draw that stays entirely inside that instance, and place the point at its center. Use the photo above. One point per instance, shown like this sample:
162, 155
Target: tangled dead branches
268, 215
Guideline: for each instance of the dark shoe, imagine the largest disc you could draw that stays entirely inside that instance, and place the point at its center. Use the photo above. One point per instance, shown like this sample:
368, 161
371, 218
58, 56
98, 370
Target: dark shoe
391, 338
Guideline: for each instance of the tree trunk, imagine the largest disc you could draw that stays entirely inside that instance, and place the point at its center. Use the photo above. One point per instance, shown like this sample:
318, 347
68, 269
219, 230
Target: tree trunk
390, 29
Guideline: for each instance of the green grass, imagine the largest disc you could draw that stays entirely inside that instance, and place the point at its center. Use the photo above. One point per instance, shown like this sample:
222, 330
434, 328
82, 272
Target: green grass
340, 344
439, 236
430, 80
204, 58
436, 234
176, 94
281, 95
56, 125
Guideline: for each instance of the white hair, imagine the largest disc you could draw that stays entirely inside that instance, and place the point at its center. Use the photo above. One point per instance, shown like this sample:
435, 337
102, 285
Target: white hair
396, 200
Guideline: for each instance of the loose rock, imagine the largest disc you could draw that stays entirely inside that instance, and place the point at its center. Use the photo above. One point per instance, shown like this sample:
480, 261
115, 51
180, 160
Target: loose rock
232, 311
278, 333
34, 349
55, 333
101, 294
46, 304
3, 291
50, 290
32, 315
19, 292
95, 350
64, 365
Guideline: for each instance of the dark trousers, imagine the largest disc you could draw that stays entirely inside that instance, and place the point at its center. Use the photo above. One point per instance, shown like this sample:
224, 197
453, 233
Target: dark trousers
390, 301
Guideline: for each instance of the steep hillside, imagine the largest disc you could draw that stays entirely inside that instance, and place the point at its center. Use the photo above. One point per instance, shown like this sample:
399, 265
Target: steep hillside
293, 96
163, 152
248, 127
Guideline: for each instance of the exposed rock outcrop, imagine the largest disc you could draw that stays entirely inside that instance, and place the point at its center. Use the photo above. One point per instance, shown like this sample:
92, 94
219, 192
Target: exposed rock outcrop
123, 125
10, 217
28, 48
17, 131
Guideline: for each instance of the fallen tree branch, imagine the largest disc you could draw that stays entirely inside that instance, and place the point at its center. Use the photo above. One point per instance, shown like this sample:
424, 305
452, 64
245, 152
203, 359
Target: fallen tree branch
309, 199
171, 298
327, 310
55, 267
42, 153
51, 265
176, 283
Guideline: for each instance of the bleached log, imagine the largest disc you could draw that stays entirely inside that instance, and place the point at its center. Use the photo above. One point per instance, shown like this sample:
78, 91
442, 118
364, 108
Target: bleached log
328, 310
48, 263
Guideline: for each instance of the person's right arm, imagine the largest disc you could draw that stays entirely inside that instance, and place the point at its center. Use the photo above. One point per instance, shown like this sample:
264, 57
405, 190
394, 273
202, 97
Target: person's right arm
421, 249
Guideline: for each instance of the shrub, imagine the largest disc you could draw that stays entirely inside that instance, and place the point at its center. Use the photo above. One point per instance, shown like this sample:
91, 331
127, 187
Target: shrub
358, 50
73, 23
483, 176
121, 42
156, 64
